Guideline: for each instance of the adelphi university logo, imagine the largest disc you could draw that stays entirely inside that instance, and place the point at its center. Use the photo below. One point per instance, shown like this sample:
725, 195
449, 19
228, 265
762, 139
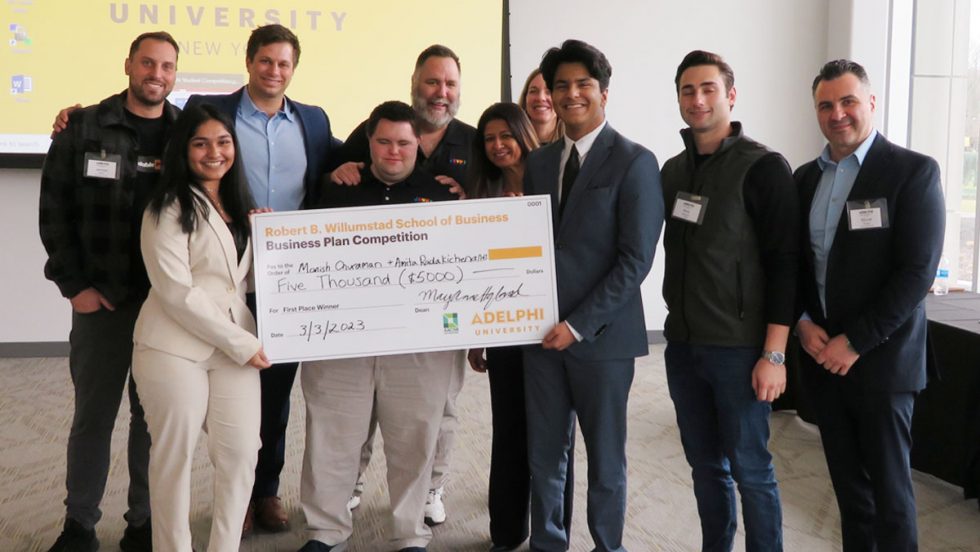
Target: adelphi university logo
507, 321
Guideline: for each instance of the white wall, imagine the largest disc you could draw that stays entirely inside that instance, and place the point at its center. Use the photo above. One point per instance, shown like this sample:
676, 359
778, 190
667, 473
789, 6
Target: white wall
775, 47
31, 308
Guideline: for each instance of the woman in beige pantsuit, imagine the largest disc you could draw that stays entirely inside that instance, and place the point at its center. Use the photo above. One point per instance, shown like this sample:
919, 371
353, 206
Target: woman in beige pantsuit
196, 357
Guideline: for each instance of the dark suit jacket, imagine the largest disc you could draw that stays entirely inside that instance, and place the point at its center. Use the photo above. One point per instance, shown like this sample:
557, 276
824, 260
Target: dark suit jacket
321, 146
877, 279
604, 242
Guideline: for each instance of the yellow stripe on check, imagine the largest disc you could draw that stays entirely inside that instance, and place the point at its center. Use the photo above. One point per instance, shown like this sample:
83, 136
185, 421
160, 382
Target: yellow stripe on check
515, 253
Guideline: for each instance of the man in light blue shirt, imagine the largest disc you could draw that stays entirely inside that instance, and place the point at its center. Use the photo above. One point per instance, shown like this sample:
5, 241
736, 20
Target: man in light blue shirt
835, 185
272, 147
286, 148
874, 215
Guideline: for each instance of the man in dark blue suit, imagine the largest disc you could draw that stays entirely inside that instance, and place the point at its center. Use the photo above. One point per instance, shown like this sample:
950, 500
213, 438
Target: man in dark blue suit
873, 218
608, 212
286, 147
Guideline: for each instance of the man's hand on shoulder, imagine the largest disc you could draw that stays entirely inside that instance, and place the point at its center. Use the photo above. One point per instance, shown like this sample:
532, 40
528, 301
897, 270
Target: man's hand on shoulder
90, 300
61, 119
348, 174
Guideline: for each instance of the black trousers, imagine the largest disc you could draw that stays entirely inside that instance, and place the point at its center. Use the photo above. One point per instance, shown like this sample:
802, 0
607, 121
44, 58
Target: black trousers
867, 440
277, 384
510, 475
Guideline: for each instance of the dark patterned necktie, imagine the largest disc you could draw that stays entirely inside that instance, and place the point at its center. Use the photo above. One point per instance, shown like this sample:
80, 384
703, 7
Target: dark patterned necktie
568, 179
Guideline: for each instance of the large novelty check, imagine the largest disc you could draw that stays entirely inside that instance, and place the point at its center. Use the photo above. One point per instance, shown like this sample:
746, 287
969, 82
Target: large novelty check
360, 281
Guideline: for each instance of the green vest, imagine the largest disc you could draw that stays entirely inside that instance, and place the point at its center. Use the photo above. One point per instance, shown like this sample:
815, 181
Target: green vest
714, 283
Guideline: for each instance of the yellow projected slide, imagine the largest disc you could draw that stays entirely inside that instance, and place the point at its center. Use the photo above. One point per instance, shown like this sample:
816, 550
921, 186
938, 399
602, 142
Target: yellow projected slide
355, 54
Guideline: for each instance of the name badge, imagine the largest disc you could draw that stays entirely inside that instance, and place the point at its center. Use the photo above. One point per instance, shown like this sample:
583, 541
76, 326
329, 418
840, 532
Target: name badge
102, 165
689, 207
867, 214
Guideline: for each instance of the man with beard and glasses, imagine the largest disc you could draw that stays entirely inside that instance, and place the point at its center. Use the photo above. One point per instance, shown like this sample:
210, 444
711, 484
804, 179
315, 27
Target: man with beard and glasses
443, 152
95, 184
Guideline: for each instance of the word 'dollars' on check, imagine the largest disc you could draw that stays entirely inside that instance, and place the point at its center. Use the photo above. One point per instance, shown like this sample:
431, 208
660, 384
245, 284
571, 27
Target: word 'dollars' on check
337, 283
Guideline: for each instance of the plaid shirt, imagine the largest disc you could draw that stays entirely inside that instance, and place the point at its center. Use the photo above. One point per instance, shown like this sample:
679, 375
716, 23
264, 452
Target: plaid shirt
86, 223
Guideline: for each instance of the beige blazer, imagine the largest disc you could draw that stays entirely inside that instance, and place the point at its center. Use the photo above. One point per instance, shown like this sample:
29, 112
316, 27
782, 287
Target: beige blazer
197, 299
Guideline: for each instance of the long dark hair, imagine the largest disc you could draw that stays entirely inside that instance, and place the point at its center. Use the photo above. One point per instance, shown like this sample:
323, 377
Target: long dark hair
177, 182
483, 174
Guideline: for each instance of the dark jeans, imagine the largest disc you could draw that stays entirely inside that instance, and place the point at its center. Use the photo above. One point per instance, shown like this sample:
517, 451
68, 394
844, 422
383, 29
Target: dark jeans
510, 475
277, 384
725, 431
100, 358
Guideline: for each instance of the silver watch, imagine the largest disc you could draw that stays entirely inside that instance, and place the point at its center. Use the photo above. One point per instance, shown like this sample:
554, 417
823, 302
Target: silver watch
774, 357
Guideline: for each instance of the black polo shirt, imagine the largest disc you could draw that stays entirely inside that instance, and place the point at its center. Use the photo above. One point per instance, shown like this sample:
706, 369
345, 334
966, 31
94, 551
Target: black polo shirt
451, 157
419, 187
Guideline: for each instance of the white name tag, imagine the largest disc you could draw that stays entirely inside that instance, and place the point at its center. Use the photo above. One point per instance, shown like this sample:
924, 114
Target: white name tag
862, 219
689, 208
867, 214
102, 165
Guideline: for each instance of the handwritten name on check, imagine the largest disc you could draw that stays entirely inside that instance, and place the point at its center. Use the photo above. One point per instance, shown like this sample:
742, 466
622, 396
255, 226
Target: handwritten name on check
364, 281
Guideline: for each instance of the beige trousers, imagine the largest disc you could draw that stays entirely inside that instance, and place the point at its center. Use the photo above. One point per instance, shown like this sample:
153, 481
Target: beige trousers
408, 394
180, 398
447, 428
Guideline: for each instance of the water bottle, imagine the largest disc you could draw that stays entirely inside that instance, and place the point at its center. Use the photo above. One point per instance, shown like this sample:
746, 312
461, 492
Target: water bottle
941, 285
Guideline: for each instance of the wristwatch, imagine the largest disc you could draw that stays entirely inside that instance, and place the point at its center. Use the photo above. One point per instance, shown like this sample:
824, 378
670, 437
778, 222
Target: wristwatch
774, 357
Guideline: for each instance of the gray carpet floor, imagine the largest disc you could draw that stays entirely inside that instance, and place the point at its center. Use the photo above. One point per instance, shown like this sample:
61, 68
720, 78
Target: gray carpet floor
36, 410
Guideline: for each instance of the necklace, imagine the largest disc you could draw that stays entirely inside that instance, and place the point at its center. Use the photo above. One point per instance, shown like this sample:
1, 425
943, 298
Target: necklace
216, 201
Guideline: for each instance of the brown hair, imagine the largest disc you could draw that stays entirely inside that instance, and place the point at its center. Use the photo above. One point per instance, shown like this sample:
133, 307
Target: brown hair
701, 57
271, 34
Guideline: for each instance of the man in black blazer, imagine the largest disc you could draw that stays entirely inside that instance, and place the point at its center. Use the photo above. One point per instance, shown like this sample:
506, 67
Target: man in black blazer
608, 211
286, 147
873, 218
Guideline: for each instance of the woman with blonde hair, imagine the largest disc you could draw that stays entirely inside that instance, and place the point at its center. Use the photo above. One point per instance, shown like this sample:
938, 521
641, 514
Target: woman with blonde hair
535, 100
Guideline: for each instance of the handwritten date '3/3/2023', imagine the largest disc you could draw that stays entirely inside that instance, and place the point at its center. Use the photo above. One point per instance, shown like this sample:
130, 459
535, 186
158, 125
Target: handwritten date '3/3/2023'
321, 329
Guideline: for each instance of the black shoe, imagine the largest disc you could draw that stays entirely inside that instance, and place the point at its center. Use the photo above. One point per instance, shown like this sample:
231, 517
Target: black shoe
315, 546
137, 539
75, 538
412, 549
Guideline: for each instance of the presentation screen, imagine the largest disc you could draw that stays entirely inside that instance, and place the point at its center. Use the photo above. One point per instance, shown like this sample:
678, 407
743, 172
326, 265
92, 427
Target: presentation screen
354, 54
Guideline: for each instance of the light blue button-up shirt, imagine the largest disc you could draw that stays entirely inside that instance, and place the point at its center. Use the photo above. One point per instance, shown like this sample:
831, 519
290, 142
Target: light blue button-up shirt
273, 154
828, 206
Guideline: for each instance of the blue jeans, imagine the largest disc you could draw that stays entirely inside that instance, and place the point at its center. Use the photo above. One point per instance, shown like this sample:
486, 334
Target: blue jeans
725, 431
